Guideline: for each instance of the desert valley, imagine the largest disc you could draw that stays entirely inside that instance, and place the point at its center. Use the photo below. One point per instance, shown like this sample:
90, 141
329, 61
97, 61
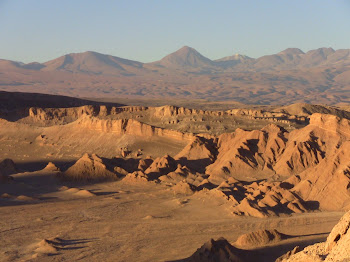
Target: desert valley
174, 131
219, 181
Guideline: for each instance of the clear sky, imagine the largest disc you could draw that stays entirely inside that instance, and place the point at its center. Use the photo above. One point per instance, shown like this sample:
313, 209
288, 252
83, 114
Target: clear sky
147, 30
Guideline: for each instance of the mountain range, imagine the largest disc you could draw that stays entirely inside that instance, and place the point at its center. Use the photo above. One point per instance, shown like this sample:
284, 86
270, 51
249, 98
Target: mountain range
321, 75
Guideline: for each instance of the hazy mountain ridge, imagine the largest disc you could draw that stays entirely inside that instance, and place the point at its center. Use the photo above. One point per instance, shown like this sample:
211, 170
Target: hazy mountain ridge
290, 76
188, 57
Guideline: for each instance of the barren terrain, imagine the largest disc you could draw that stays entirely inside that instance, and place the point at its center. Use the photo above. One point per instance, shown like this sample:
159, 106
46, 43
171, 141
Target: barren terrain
97, 181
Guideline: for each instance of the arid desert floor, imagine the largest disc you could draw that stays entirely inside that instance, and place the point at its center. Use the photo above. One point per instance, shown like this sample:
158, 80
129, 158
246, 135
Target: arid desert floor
128, 222
103, 182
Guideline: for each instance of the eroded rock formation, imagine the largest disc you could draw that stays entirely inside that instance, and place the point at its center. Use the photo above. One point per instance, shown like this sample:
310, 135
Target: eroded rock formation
336, 248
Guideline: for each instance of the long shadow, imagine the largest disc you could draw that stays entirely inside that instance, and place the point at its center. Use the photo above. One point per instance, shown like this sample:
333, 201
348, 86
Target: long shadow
34, 185
63, 244
39, 165
269, 253
309, 235
128, 164
197, 165
15, 105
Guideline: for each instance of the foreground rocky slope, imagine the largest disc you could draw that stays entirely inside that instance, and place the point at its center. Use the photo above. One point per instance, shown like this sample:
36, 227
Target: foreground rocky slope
336, 248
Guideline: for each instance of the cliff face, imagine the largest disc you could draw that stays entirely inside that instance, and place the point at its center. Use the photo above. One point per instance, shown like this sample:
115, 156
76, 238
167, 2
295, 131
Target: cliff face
40, 114
170, 113
130, 127
166, 111
73, 113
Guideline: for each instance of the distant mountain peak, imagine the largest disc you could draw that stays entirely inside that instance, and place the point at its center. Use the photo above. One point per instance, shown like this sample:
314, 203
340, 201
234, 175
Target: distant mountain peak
185, 51
292, 51
330, 49
236, 57
185, 57
92, 63
186, 47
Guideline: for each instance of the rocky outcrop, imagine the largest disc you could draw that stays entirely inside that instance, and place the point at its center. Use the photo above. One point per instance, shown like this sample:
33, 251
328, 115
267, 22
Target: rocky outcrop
175, 176
326, 176
61, 114
51, 167
336, 248
302, 109
315, 158
217, 251
167, 114
328, 183
260, 238
248, 153
144, 163
278, 116
161, 166
130, 127
198, 154
297, 113
168, 111
272, 150
262, 199
315, 161
73, 113
297, 171
88, 168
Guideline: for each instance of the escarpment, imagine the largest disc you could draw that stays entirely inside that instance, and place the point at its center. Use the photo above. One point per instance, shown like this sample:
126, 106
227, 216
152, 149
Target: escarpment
102, 111
179, 118
131, 127
73, 113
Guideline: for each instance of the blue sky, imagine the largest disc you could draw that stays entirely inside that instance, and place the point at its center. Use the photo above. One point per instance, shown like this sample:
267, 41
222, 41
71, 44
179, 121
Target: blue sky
147, 30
